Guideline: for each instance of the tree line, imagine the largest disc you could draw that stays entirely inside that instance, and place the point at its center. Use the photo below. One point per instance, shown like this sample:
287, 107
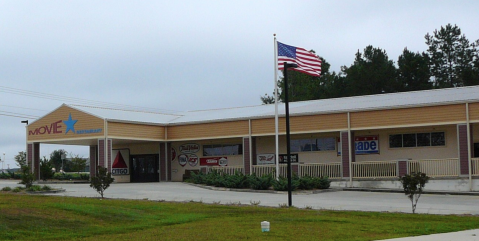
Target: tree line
451, 60
57, 162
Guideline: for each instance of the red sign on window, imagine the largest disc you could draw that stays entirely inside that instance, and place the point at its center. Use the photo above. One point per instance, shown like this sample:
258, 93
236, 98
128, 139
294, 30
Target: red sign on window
213, 161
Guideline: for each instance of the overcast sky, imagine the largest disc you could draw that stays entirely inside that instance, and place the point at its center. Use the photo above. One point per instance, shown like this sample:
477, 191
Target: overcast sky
186, 55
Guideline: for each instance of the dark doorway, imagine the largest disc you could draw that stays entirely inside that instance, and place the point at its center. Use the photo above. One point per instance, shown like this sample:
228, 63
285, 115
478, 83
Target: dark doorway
144, 168
476, 150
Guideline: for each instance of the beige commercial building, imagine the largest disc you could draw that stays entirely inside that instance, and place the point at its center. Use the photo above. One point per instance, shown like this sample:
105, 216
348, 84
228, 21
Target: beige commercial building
364, 137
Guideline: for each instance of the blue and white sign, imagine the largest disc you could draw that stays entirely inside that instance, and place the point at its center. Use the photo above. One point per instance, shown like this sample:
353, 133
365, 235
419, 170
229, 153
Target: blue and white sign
364, 145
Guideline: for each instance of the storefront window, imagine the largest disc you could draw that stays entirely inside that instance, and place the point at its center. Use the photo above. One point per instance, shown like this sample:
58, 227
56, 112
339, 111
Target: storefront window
395, 141
409, 140
222, 150
317, 144
423, 139
438, 139
417, 139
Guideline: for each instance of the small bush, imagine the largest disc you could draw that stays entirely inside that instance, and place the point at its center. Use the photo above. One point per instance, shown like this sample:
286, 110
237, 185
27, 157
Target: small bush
238, 180
322, 182
46, 188
306, 183
34, 188
18, 189
101, 181
85, 177
198, 178
413, 186
282, 184
6, 189
27, 177
63, 176
4, 175
214, 178
260, 183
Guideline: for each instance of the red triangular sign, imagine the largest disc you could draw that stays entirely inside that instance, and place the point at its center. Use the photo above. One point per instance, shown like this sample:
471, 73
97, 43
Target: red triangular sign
119, 162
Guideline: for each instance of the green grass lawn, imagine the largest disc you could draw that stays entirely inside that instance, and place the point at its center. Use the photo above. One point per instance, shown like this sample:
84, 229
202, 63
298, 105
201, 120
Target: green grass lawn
32, 217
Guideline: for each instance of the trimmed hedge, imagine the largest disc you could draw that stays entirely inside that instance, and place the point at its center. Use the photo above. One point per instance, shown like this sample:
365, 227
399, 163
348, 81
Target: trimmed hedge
239, 180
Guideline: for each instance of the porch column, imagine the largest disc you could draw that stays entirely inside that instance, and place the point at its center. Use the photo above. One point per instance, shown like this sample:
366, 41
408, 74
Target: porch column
163, 162
463, 151
104, 153
347, 148
93, 160
246, 156
108, 154
295, 168
101, 152
33, 159
402, 168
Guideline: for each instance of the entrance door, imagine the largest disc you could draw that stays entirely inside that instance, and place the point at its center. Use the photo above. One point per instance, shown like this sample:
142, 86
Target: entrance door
144, 168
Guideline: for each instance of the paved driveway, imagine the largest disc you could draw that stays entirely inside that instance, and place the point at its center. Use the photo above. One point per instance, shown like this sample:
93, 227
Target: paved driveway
336, 200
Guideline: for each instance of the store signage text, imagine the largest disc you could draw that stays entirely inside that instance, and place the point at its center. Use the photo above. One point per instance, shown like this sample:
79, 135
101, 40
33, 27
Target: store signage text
189, 148
366, 145
57, 128
363, 145
54, 128
283, 158
213, 161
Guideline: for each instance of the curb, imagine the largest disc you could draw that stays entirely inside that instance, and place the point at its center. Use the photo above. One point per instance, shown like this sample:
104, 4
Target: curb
45, 192
301, 192
401, 191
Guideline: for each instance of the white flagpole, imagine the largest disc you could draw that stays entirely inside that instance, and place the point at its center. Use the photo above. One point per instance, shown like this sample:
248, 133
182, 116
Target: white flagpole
276, 105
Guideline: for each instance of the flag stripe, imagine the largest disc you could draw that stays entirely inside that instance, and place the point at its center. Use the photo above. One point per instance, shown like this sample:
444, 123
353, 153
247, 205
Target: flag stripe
307, 62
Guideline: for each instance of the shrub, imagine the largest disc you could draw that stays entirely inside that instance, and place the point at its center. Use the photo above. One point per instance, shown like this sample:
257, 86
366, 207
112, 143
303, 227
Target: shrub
101, 181
46, 188
198, 178
34, 188
413, 186
306, 183
4, 175
85, 177
238, 180
282, 184
6, 189
46, 171
17, 189
213, 178
63, 176
27, 177
322, 182
260, 183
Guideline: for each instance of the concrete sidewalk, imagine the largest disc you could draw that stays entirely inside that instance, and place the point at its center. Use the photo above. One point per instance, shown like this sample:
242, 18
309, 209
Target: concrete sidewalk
333, 200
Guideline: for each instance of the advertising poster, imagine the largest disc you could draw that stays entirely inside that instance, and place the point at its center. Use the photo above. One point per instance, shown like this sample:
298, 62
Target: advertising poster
120, 162
364, 145
213, 161
265, 159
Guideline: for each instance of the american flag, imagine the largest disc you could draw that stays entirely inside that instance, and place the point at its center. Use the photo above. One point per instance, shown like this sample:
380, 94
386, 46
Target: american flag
307, 62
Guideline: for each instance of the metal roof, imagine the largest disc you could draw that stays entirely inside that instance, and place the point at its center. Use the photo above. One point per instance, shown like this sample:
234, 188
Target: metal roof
336, 105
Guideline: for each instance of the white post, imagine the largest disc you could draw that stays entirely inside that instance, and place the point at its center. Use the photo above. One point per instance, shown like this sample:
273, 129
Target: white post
276, 106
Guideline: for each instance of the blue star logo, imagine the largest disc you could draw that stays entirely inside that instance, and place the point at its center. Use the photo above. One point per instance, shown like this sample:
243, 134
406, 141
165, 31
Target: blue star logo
70, 124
